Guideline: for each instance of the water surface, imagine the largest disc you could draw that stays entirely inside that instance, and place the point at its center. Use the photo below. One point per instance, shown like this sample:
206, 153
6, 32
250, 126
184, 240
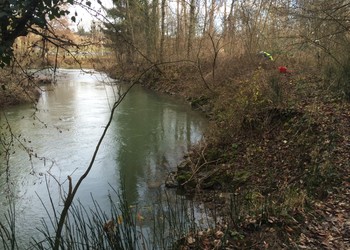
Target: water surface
57, 137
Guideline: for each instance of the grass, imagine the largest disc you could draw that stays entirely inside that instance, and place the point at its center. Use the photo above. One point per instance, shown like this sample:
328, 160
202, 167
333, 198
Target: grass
121, 226
8, 230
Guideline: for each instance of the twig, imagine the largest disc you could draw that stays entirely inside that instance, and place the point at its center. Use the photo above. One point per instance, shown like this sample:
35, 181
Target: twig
71, 194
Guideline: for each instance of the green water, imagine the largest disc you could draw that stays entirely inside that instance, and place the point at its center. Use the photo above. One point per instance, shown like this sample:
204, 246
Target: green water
147, 139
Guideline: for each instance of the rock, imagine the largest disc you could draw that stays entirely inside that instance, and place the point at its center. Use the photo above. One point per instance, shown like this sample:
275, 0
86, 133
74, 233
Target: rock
191, 240
219, 234
183, 165
42, 80
171, 181
154, 184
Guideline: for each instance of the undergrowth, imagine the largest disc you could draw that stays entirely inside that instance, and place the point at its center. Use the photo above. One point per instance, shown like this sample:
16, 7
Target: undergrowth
16, 88
273, 146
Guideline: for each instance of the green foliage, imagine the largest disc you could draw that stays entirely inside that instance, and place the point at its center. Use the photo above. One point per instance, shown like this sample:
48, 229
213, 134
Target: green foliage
5, 56
184, 177
18, 17
134, 29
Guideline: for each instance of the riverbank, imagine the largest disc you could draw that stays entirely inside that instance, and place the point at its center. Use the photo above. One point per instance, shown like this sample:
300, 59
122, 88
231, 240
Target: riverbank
17, 88
275, 159
274, 163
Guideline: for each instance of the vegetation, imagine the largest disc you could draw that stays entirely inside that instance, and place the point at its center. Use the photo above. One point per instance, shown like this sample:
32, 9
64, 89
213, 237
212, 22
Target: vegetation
274, 163
122, 226
18, 18
16, 89
274, 158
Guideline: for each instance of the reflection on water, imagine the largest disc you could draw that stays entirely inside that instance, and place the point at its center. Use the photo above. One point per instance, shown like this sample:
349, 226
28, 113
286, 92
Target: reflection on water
147, 138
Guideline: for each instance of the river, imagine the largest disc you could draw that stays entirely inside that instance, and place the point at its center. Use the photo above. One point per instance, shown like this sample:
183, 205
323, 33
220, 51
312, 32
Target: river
147, 139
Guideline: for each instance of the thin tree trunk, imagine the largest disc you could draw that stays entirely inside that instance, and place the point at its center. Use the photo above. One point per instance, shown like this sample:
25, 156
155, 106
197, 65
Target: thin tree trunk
205, 17
211, 28
132, 35
178, 28
162, 38
155, 27
191, 27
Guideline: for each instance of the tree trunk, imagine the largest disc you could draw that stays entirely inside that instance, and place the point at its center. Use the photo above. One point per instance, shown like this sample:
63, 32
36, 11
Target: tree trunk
131, 29
211, 28
162, 38
191, 29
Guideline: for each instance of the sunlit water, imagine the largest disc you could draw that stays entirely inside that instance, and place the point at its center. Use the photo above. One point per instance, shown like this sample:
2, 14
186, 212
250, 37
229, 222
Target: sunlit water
147, 139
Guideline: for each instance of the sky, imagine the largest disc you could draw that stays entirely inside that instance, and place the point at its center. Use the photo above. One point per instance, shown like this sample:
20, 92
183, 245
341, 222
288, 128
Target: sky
84, 18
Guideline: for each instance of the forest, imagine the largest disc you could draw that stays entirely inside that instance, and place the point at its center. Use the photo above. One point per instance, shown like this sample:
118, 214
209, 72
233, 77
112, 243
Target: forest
272, 78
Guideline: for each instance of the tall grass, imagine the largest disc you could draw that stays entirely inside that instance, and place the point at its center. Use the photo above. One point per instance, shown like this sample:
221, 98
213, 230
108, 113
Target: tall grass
161, 225
171, 222
8, 230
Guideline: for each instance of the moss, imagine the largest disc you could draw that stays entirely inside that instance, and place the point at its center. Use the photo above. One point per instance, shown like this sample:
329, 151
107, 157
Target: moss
199, 102
241, 177
183, 177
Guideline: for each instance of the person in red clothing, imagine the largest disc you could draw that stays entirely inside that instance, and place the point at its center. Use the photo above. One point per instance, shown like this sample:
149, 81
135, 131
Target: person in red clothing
283, 70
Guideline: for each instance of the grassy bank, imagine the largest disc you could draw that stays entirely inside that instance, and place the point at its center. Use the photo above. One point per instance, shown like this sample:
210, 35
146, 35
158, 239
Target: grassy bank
275, 159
